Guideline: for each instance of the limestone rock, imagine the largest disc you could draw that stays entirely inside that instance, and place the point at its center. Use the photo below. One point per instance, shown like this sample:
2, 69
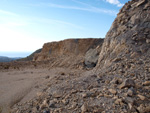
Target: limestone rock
146, 83
84, 108
91, 58
141, 97
131, 92
127, 83
113, 91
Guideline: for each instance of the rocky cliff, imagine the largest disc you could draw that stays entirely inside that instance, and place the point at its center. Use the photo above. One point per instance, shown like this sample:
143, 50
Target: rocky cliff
67, 52
67, 48
129, 35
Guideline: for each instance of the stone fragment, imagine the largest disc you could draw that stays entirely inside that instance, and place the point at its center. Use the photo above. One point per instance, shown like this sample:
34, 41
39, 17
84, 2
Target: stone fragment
56, 93
113, 91
98, 110
84, 108
84, 95
130, 105
52, 104
42, 106
116, 80
46, 111
107, 96
39, 94
141, 3
45, 102
146, 83
118, 101
117, 60
131, 92
127, 83
65, 101
129, 100
141, 97
144, 109
73, 105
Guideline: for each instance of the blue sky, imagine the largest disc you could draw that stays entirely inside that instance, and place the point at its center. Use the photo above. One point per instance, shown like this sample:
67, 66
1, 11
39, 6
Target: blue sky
25, 25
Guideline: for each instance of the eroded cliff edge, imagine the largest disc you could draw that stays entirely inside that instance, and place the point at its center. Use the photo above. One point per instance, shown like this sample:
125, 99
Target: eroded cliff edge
68, 52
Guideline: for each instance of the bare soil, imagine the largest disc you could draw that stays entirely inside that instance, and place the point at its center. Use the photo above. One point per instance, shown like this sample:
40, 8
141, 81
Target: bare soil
18, 86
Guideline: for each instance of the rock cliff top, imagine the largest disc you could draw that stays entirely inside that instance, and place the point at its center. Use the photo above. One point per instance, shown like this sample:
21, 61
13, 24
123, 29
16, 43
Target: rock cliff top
69, 47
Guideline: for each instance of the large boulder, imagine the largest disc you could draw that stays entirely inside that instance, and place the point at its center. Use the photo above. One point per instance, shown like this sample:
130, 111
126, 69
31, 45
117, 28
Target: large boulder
91, 58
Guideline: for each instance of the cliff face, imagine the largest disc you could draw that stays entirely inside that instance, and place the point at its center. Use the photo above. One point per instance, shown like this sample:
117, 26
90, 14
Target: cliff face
129, 35
69, 47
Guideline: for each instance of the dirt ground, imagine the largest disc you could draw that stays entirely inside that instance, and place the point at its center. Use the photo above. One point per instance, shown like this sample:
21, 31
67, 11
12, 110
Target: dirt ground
18, 86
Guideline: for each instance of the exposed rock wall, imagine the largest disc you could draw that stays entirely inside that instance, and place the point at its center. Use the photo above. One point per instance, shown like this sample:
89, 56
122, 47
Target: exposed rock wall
129, 35
69, 47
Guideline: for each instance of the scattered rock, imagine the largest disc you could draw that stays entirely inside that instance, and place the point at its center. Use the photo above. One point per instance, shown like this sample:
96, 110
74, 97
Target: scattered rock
84, 108
113, 91
118, 102
65, 101
117, 60
46, 111
144, 109
141, 97
129, 100
146, 83
131, 92
127, 83
52, 104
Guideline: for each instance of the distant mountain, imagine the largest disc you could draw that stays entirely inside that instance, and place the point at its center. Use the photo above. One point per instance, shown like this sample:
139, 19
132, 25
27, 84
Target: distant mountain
7, 59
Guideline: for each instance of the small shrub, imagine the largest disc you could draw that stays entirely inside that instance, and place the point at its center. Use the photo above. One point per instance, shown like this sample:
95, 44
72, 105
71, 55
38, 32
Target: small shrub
6, 67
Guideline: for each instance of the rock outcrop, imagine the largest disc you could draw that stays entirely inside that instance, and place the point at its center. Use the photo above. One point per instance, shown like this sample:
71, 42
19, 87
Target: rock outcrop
66, 48
91, 57
129, 35
67, 52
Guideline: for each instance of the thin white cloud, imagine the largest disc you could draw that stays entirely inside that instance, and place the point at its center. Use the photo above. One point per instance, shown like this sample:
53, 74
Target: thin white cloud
8, 13
95, 9
86, 7
115, 2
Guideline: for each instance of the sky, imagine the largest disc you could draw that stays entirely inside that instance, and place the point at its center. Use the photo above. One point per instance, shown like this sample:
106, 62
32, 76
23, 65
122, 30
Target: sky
25, 25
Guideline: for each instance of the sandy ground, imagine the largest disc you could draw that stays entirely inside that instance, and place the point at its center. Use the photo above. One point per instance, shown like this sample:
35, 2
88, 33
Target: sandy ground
17, 86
